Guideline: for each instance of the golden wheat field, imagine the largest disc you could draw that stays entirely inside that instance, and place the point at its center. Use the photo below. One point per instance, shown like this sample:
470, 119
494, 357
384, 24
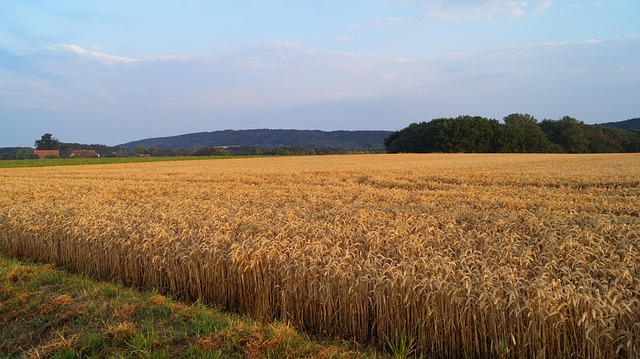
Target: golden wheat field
517, 256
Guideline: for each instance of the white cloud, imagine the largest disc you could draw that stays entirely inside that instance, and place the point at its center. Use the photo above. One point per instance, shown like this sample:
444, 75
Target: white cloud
101, 57
590, 42
543, 5
516, 9
74, 48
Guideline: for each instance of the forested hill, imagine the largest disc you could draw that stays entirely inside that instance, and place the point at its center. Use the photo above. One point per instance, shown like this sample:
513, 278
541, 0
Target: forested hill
632, 124
365, 140
518, 134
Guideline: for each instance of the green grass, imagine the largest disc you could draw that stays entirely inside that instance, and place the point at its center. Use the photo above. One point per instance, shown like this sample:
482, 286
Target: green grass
48, 312
96, 161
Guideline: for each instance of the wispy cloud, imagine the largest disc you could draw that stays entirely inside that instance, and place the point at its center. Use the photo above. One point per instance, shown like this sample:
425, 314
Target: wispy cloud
515, 8
342, 39
100, 56
440, 10
462, 10
396, 21
590, 42
543, 5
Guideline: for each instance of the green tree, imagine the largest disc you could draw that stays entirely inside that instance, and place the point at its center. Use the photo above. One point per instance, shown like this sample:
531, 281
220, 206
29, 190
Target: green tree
469, 134
606, 140
632, 141
519, 134
167, 152
211, 151
47, 142
522, 134
416, 138
153, 150
25, 154
460, 134
568, 133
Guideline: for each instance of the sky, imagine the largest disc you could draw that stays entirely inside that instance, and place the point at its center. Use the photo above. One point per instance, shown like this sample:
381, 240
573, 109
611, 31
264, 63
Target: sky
115, 71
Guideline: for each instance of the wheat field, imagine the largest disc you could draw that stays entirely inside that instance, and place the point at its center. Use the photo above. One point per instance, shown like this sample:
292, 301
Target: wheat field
460, 256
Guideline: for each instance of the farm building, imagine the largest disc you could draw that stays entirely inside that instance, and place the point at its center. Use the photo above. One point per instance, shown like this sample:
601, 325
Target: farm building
46, 153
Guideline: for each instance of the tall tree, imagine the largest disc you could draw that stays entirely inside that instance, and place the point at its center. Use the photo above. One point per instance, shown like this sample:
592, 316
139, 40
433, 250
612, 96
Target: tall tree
521, 134
568, 133
140, 149
469, 134
416, 138
47, 142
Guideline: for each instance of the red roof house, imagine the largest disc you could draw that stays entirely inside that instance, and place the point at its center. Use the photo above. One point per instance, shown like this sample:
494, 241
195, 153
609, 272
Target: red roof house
46, 153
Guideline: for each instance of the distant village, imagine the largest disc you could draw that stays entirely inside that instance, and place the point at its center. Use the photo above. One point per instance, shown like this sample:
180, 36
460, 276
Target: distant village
49, 147
74, 153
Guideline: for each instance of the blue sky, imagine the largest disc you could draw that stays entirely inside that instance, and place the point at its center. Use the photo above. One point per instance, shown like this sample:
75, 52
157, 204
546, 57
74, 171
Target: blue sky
116, 71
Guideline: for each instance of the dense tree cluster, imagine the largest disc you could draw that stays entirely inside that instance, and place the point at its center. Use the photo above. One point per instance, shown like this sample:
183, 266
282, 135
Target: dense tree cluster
518, 134
47, 142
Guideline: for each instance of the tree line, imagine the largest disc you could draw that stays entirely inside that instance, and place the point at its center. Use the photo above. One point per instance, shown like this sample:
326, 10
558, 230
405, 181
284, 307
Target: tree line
48, 142
520, 133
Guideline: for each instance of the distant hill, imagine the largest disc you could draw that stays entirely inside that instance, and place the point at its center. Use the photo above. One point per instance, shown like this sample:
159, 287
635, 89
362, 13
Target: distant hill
365, 140
632, 124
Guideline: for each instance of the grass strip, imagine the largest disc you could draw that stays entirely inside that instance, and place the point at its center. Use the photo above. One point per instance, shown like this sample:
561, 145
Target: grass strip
48, 312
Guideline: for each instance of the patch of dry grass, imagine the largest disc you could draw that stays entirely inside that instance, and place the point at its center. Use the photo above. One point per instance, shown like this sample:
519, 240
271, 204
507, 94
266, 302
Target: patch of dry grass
50, 313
